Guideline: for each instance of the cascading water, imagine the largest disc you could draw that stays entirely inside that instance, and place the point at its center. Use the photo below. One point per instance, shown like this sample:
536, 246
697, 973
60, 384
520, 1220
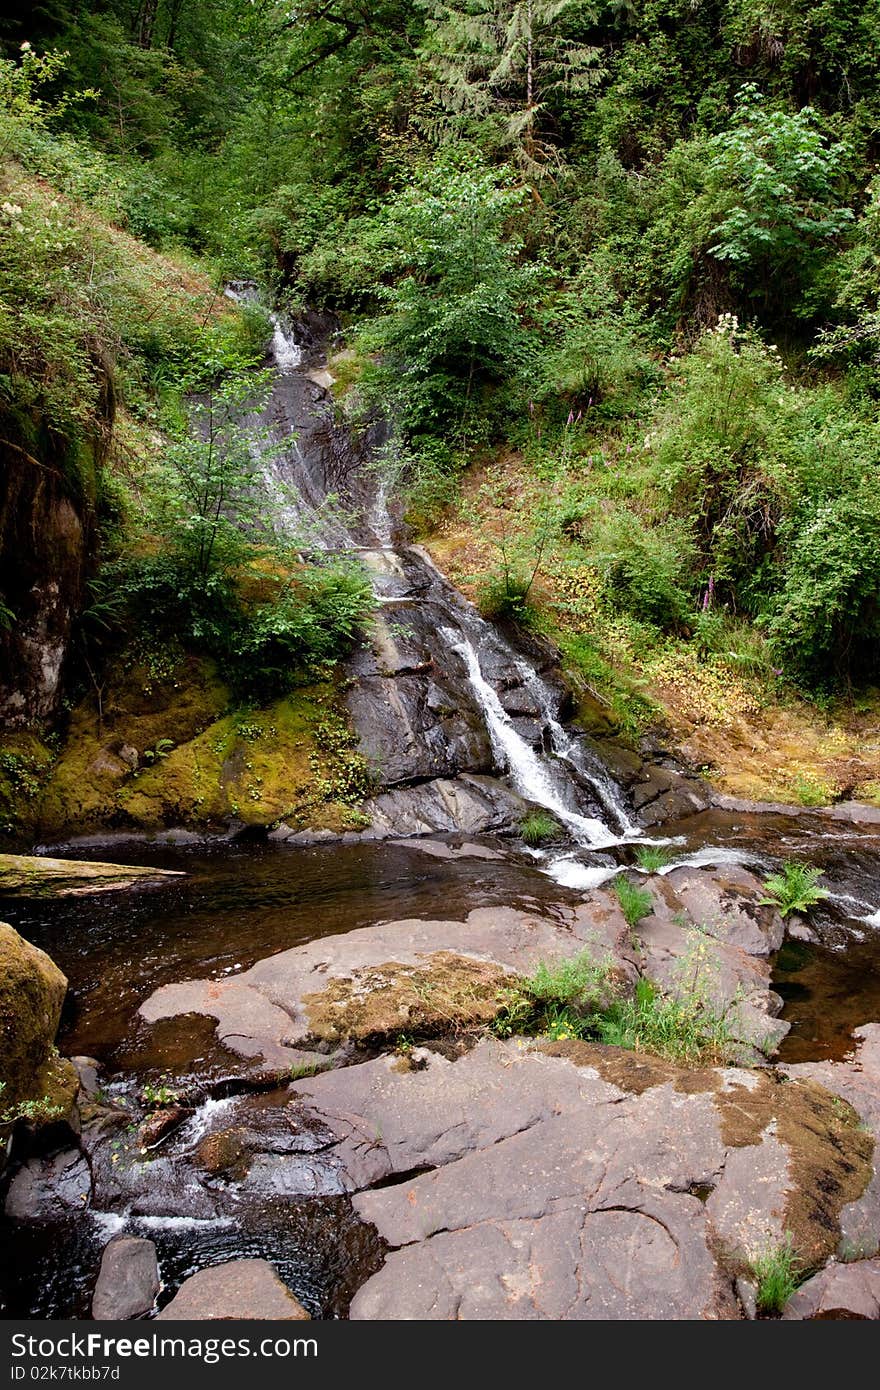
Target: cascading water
310, 464
528, 770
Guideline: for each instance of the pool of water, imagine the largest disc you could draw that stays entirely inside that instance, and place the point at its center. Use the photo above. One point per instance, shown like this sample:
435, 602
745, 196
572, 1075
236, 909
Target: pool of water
239, 902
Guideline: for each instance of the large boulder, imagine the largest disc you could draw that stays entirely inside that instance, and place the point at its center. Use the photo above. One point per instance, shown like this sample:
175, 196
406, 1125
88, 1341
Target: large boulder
240, 1289
32, 991
376, 982
128, 1280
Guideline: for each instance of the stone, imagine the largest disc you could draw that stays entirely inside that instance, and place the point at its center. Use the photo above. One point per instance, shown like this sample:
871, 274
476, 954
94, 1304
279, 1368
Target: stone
128, 1280
160, 1123
838, 1291
725, 903
32, 991
49, 1187
324, 990
87, 1071
855, 1080
241, 1289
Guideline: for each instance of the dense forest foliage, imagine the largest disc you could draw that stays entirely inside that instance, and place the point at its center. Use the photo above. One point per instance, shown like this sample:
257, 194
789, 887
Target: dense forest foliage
621, 257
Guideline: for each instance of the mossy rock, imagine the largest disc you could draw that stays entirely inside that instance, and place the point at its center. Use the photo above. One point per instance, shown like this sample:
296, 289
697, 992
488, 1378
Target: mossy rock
32, 991
170, 750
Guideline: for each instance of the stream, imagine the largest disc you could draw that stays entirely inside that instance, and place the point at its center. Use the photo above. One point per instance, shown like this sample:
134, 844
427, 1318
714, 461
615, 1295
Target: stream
455, 716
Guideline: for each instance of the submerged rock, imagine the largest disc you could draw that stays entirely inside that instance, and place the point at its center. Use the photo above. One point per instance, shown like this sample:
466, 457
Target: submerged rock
128, 1280
248, 1289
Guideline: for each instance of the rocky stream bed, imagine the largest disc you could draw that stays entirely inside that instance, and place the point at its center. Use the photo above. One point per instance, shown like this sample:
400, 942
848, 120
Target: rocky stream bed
289, 1095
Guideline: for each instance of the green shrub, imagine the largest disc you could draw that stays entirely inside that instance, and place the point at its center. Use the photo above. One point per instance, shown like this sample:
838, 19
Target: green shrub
682, 1029
794, 888
581, 998
635, 902
649, 571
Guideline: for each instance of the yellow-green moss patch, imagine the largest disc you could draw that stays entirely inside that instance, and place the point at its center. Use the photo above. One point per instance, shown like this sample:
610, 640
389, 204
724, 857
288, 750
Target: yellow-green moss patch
447, 994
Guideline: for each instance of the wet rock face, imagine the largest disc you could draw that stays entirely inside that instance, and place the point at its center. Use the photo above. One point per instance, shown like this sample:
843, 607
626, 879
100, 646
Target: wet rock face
128, 1280
247, 1289
534, 1184
47, 1188
32, 991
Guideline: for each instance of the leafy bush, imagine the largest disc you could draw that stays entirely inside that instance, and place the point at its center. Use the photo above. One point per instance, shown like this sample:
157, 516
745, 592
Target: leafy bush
263, 645
648, 571
825, 620
794, 888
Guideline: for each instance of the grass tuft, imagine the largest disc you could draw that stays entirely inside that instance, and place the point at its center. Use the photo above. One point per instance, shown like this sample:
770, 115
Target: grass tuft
653, 857
537, 827
635, 902
777, 1273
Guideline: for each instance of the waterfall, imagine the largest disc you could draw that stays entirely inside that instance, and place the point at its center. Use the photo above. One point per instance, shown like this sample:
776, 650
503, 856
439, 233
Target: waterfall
529, 771
576, 754
310, 466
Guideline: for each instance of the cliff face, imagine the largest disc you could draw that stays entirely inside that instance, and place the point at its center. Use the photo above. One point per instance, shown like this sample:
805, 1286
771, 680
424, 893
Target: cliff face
48, 495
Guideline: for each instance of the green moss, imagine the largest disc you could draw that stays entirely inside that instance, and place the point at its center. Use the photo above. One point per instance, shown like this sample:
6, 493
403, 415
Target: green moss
25, 762
171, 751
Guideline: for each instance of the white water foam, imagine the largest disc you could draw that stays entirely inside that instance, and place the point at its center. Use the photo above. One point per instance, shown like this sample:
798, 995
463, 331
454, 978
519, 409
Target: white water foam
569, 872
182, 1223
202, 1121
287, 352
109, 1223
527, 769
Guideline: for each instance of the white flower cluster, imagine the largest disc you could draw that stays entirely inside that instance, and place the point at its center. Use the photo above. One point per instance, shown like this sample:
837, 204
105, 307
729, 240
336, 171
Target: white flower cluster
13, 213
727, 323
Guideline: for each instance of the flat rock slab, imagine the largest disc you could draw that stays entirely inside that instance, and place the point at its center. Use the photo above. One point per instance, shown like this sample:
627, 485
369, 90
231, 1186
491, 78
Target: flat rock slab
571, 1181
839, 1291
439, 849
128, 1280
31, 875
711, 939
284, 1004
248, 1289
